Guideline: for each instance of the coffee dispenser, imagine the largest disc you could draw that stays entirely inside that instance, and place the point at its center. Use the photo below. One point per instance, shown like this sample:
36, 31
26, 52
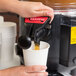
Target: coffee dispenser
62, 39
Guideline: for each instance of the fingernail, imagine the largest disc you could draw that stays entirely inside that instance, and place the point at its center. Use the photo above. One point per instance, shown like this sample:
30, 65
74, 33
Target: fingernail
44, 67
50, 22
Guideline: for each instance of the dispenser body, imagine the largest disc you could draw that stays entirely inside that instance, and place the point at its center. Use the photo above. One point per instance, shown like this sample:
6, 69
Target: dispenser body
68, 41
62, 49
53, 39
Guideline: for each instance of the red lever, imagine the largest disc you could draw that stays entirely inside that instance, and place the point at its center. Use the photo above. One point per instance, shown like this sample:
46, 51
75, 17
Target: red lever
38, 20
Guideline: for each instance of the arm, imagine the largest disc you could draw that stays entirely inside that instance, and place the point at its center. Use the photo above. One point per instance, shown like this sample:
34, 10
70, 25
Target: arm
6, 5
26, 8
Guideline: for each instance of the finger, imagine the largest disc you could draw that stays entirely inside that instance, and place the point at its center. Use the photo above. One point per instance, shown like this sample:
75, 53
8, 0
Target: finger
50, 12
36, 68
44, 13
43, 7
50, 15
39, 74
47, 8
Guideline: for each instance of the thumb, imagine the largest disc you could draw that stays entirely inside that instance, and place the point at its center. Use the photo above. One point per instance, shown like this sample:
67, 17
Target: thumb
36, 68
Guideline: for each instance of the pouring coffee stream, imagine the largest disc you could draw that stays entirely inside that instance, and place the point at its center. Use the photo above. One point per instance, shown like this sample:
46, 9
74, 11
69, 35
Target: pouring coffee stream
25, 41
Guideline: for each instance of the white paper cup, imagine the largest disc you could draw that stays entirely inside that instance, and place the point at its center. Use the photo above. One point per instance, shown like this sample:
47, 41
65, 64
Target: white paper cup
36, 57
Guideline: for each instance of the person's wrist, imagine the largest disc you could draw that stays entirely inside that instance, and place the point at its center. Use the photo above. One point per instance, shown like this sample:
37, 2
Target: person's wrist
5, 72
1, 73
21, 8
12, 6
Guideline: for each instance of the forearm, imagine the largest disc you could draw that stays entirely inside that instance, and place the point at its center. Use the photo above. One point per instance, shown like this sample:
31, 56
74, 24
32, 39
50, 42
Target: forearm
26, 8
4, 73
8, 5
1, 72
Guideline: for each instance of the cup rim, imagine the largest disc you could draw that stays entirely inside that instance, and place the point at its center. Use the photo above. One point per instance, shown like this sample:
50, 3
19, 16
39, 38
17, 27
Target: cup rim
40, 49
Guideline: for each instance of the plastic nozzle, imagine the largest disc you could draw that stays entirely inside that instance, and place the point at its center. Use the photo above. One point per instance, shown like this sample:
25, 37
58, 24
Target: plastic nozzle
24, 42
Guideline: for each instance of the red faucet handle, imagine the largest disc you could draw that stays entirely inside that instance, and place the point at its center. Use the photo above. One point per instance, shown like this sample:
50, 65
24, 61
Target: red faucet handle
37, 20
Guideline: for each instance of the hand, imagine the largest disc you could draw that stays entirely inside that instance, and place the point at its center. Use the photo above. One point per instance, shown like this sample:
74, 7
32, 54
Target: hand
26, 8
34, 9
24, 71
